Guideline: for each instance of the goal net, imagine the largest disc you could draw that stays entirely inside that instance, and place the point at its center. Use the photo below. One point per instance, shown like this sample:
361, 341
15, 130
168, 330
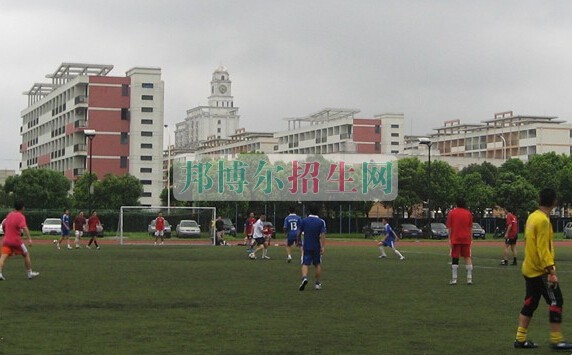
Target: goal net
137, 223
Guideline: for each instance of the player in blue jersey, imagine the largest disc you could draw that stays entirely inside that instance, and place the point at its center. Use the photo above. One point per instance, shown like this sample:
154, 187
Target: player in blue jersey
389, 241
314, 229
65, 229
291, 225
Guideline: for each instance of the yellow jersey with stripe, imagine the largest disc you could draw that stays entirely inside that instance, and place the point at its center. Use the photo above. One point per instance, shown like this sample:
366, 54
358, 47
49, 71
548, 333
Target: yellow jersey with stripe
539, 245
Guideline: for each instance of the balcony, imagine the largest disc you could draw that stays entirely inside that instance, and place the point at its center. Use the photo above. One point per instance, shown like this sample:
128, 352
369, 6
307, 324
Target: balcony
80, 124
78, 171
81, 147
81, 99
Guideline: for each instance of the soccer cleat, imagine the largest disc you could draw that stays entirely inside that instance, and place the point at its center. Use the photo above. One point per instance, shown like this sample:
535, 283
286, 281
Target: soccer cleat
88, 247
318, 286
469, 281
69, 246
266, 257
514, 263
303, 284
382, 256
2, 277
504, 262
289, 259
32, 274
77, 246
97, 248
402, 258
453, 282
562, 345
527, 344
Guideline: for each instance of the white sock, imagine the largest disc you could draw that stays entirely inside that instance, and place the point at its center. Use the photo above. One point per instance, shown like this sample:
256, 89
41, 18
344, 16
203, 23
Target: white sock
398, 253
469, 271
382, 251
454, 269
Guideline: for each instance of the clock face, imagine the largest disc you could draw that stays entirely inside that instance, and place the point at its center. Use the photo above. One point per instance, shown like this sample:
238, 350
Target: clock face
222, 89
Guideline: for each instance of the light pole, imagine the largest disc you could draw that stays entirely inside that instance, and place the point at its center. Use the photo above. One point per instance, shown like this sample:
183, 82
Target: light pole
503, 146
90, 134
168, 169
428, 143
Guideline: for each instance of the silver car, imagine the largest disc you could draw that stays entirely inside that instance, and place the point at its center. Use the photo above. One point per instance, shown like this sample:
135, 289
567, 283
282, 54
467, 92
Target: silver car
188, 228
568, 231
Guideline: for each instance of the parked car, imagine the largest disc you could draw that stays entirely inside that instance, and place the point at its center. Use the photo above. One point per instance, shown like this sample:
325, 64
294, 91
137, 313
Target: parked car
436, 231
166, 232
268, 229
409, 231
478, 231
52, 226
372, 229
188, 228
568, 230
229, 228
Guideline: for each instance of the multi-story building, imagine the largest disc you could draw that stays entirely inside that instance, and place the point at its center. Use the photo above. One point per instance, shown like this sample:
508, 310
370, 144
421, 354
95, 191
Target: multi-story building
240, 142
505, 136
219, 119
126, 114
338, 131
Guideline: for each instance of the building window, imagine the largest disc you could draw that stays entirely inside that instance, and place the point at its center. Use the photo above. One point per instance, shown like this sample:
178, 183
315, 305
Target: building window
395, 134
218, 130
395, 152
146, 182
146, 170
147, 85
377, 147
394, 143
146, 109
531, 133
377, 129
218, 122
124, 90
146, 194
124, 138
124, 114
146, 157
146, 121
146, 146
394, 126
123, 162
146, 134
147, 97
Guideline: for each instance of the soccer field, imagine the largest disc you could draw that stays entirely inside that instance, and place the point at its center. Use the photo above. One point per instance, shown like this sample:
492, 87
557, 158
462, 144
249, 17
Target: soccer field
201, 299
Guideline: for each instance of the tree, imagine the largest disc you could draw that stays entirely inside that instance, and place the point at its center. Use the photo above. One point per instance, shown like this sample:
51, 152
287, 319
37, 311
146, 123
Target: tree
543, 169
39, 188
515, 166
478, 195
444, 186
111, 192
488, 172
411, 185
517, 193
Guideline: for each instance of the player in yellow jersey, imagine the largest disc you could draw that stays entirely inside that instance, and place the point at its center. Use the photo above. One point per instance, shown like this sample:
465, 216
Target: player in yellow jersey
539, 271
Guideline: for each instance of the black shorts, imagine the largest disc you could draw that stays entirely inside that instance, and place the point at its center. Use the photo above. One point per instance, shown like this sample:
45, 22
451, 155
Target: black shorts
260, 241
510, 241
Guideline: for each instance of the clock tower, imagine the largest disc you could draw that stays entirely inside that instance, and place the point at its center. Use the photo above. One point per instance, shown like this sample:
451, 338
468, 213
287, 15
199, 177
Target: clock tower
221, 95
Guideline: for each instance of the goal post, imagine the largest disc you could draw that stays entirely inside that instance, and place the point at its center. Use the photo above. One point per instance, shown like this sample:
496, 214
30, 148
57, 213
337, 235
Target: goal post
135, 220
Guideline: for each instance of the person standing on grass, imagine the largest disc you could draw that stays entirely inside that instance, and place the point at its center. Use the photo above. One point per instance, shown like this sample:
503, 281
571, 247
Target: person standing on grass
510, 235
389, 241
159, 228
92, 224
460, 225
65, 229
12, 244
219, 227
248, 231
291, 224
539, 271
259, 238
314, 229
79, 224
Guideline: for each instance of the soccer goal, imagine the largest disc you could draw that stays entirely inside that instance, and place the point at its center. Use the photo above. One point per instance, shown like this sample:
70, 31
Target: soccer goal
136, 221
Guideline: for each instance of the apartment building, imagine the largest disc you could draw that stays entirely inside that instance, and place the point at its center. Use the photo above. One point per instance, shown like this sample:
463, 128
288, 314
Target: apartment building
126, 113
506, 136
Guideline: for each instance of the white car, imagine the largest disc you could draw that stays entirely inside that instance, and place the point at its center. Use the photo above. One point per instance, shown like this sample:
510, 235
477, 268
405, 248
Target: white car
52, 226
188, 228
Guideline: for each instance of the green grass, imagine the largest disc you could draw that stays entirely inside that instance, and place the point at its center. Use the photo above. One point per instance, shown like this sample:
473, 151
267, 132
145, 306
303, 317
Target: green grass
203, 299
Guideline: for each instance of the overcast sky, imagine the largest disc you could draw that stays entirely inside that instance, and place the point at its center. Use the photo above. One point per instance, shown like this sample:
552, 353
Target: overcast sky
431, 60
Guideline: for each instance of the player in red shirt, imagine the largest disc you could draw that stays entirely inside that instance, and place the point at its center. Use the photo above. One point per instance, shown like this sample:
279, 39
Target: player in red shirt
460, 225
510, 237
12, 244
248, 231
160, 228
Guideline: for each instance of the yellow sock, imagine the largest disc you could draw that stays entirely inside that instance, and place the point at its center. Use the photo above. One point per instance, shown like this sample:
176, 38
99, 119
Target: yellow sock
521, 334
556, 337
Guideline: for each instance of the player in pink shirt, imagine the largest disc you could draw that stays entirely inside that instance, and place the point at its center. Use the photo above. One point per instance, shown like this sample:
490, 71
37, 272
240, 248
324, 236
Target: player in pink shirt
14, 225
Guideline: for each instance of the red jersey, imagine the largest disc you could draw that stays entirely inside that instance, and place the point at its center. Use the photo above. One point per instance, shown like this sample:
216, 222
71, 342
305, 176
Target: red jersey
159, 223
92, 223
249, 226
512, 223
13, 225
460, 224
79, 222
